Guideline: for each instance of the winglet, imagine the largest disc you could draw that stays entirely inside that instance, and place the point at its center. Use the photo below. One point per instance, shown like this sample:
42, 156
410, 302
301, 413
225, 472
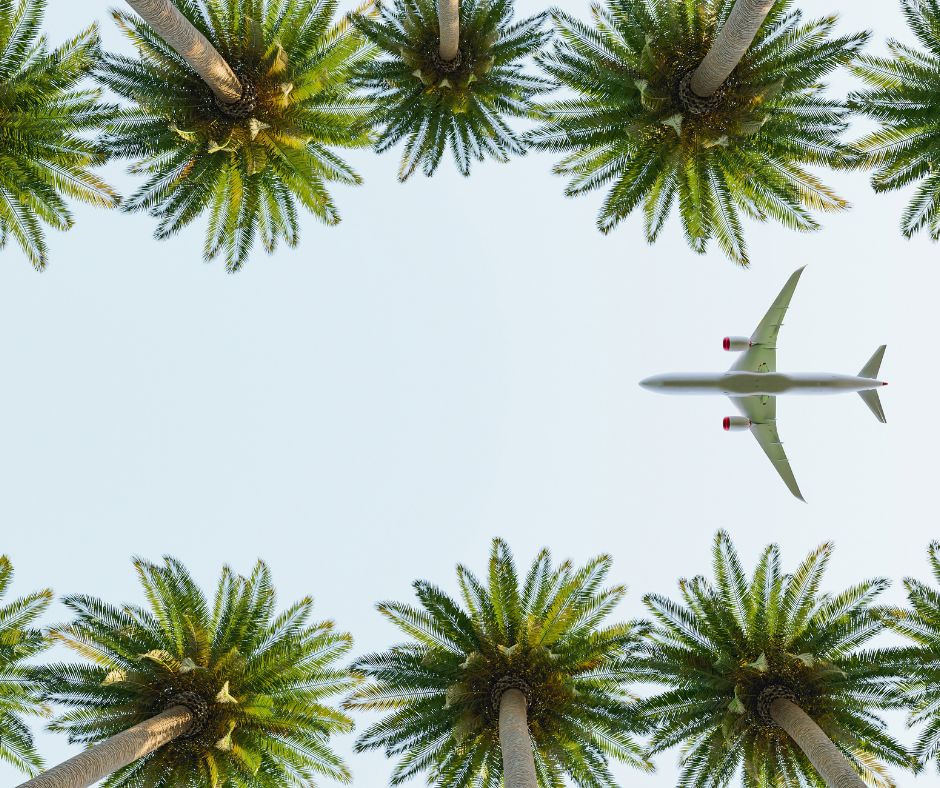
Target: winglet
797, 492
769, 440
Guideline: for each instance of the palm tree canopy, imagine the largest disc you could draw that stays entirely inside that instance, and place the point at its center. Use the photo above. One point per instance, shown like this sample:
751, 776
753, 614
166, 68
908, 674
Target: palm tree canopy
903, 95
19, 691
734, 643
246, 165
255, 679
634, 125
543, 636
462, 105
921, 662
46, 117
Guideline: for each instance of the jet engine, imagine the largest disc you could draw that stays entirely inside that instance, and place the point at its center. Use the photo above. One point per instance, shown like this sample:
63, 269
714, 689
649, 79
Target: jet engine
736, 423
736, 344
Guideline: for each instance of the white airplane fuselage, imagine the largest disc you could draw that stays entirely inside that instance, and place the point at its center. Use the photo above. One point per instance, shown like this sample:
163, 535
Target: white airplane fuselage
745, 384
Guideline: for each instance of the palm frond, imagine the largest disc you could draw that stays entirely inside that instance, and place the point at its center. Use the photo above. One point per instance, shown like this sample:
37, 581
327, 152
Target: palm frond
247, 168
735, 638
540, 632
47, 150
629, 128
20, 691
264, 678
462, 106
902, 96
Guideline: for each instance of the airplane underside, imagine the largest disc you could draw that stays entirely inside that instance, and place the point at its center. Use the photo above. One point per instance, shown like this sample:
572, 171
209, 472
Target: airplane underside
747, 384
753, 384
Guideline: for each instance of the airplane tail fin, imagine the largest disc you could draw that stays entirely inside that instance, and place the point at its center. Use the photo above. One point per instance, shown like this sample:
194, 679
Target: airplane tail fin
870, 397
870, 370
873, 401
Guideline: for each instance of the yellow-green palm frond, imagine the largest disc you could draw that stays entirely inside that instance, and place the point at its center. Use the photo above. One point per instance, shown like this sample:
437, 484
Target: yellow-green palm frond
47, 122
544, 634
248, 168
735, 637
748, 152
257, 680
465, 106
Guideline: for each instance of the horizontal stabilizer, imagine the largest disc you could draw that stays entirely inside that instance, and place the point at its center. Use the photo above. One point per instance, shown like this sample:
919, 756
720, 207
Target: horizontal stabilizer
873, 401
871, 369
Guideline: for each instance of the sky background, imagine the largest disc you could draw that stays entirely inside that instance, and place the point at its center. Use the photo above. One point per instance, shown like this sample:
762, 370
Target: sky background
457, 360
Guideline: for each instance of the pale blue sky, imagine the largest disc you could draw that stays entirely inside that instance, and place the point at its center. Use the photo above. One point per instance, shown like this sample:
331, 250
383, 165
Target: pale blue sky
458, 360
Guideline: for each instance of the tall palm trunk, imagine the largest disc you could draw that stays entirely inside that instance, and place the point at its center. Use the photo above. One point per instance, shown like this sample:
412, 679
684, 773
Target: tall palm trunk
103, 759
515, 741
831, 764
192, 46
448, 17
730, 45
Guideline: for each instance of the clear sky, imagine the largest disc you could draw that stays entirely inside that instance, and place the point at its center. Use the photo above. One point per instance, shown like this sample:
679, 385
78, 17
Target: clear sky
457, 360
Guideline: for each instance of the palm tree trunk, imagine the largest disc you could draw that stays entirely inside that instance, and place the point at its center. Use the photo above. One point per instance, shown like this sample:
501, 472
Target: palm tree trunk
515, 741
730, 45
192, 46
829, 761
99, 761
448, 17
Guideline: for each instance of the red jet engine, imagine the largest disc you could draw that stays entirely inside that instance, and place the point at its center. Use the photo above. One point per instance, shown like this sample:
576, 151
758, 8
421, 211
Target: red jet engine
736, 344
736, 423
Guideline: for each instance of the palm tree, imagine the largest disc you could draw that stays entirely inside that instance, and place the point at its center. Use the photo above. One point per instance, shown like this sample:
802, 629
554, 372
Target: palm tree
45, 116
635, 123
444, 81
19, 692
518, 686
245, 163
769, 673
903, 97
921, 661
193, 692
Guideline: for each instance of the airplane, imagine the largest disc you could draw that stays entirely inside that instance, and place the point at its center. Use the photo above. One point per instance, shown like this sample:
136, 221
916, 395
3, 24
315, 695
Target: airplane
753, 384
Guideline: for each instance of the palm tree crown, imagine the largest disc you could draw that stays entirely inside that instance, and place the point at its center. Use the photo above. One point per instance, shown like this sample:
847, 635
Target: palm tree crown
903, 95
921, 662
737, 643
247, 165
544, 637
633, 123
44, 119
461, 104
19, 691
254, 679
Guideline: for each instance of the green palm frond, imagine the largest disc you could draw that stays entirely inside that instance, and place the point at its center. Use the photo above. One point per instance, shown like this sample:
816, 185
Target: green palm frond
463, 106
249, 169
264, 676
46, 156
921, 661
544, 632
20, 693
731, 638
748, 153
903, 96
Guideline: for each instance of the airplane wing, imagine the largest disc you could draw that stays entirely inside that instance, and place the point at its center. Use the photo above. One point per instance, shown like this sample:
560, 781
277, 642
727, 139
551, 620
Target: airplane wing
762, 355
762, 411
